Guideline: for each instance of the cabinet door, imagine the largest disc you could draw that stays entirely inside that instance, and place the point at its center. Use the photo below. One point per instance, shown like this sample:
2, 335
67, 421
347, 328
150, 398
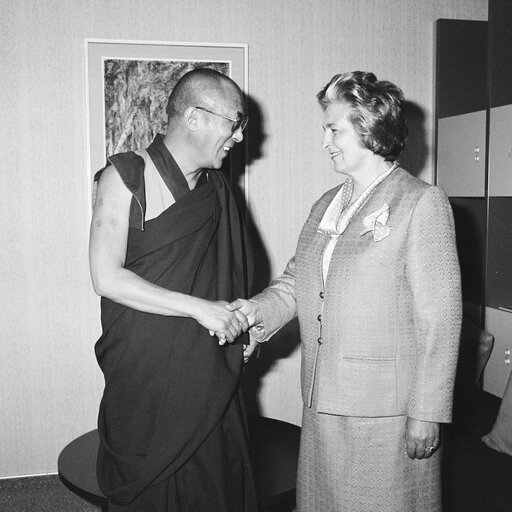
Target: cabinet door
461, 154
497, 371
461, 106
500, 151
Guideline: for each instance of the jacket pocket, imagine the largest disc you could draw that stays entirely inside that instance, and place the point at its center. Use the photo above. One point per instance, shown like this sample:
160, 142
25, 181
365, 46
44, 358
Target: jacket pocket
364, 387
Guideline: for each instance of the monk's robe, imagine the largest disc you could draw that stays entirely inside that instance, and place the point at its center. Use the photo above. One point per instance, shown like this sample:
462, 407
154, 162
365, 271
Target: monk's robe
171, 421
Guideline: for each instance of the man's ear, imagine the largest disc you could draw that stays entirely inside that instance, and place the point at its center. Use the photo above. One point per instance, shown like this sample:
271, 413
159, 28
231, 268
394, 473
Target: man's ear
191, 117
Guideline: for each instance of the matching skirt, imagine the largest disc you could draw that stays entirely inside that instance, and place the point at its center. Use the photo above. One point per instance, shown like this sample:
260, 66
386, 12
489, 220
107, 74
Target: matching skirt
361, 465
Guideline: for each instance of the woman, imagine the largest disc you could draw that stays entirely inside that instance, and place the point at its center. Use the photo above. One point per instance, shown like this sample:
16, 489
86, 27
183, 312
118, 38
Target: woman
375, 284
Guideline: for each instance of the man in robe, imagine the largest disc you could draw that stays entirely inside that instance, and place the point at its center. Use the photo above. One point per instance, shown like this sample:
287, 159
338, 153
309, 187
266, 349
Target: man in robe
166, 253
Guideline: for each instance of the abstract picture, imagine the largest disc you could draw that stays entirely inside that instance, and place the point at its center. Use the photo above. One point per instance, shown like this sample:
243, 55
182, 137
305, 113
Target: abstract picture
136, 94
128, 84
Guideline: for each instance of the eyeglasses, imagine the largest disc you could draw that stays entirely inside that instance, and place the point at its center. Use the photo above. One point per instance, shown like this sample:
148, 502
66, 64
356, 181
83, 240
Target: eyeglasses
239, 123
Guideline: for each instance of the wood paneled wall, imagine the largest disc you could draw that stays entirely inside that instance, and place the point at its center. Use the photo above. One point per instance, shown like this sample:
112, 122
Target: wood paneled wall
50, 386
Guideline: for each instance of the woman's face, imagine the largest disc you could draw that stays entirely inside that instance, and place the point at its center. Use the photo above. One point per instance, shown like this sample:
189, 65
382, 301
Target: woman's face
347, 152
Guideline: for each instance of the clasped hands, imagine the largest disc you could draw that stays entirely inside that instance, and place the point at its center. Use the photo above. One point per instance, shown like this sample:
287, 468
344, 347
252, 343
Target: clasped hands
227, 321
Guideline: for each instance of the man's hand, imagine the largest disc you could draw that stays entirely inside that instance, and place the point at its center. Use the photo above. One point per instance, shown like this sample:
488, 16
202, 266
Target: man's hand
221, 322
421, 438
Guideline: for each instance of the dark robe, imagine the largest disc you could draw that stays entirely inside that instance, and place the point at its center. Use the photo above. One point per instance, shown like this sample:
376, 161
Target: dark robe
171, 423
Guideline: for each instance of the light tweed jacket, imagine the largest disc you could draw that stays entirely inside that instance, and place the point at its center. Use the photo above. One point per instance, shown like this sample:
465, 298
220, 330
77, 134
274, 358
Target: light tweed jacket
381, 337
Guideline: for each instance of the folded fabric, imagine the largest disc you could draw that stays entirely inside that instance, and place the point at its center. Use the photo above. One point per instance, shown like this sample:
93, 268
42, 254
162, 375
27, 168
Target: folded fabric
376, 223
500, 437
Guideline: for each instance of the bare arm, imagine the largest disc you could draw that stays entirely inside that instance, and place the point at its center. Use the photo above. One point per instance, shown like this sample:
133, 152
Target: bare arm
107, 253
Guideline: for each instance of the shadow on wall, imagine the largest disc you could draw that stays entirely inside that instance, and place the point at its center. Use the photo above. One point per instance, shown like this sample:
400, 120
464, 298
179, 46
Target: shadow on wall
246, 154
282, 345
415, 154
286, 341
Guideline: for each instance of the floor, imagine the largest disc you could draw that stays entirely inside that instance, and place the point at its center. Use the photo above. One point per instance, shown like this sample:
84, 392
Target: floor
49, 494
476, 478
40, 494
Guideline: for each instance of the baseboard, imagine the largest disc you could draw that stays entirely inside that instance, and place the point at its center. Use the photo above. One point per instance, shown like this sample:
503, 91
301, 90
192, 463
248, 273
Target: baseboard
27, 476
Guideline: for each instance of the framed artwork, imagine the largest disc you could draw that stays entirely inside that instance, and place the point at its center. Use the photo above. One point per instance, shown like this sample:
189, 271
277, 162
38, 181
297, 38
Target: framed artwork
128, 84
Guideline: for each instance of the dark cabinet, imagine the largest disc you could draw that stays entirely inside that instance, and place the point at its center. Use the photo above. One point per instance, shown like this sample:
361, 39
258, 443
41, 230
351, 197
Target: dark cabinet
474, 167
461, 141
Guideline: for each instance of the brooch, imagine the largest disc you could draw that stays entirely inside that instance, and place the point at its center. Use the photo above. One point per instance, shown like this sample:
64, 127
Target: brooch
376, 223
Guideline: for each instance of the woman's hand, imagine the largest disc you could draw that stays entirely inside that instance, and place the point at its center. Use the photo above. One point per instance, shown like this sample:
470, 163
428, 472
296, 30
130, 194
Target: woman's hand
421, 438
249, 349
251, 310
219, 320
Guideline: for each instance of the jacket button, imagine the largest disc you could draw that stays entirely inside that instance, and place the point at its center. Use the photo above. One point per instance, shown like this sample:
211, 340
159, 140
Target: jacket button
321, 295
319, 318
320, 340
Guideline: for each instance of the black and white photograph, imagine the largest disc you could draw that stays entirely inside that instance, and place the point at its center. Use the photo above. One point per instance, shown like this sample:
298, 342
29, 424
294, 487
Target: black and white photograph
257, 256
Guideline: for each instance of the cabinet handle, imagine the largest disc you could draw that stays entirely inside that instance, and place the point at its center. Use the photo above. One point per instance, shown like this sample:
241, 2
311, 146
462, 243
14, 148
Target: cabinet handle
507, 356
477, 154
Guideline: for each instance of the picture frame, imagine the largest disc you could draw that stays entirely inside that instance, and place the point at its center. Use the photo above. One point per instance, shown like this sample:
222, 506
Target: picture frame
127, 86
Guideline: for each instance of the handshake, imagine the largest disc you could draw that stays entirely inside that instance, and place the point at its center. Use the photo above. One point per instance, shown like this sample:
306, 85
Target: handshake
228, 320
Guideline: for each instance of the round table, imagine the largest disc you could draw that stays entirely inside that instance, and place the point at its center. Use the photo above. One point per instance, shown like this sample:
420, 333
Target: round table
274, 447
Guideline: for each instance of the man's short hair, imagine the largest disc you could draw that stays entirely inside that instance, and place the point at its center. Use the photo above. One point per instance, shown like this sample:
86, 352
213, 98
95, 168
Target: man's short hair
376, 110
192, 88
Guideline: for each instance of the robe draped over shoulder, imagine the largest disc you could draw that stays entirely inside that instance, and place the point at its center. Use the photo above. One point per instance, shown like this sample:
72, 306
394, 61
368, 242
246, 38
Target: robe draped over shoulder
168, 384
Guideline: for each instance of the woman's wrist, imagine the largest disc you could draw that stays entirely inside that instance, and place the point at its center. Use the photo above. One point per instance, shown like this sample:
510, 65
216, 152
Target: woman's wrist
258, 314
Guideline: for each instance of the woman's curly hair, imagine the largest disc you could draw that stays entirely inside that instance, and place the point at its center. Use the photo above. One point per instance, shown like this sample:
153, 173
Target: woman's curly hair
377, 110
